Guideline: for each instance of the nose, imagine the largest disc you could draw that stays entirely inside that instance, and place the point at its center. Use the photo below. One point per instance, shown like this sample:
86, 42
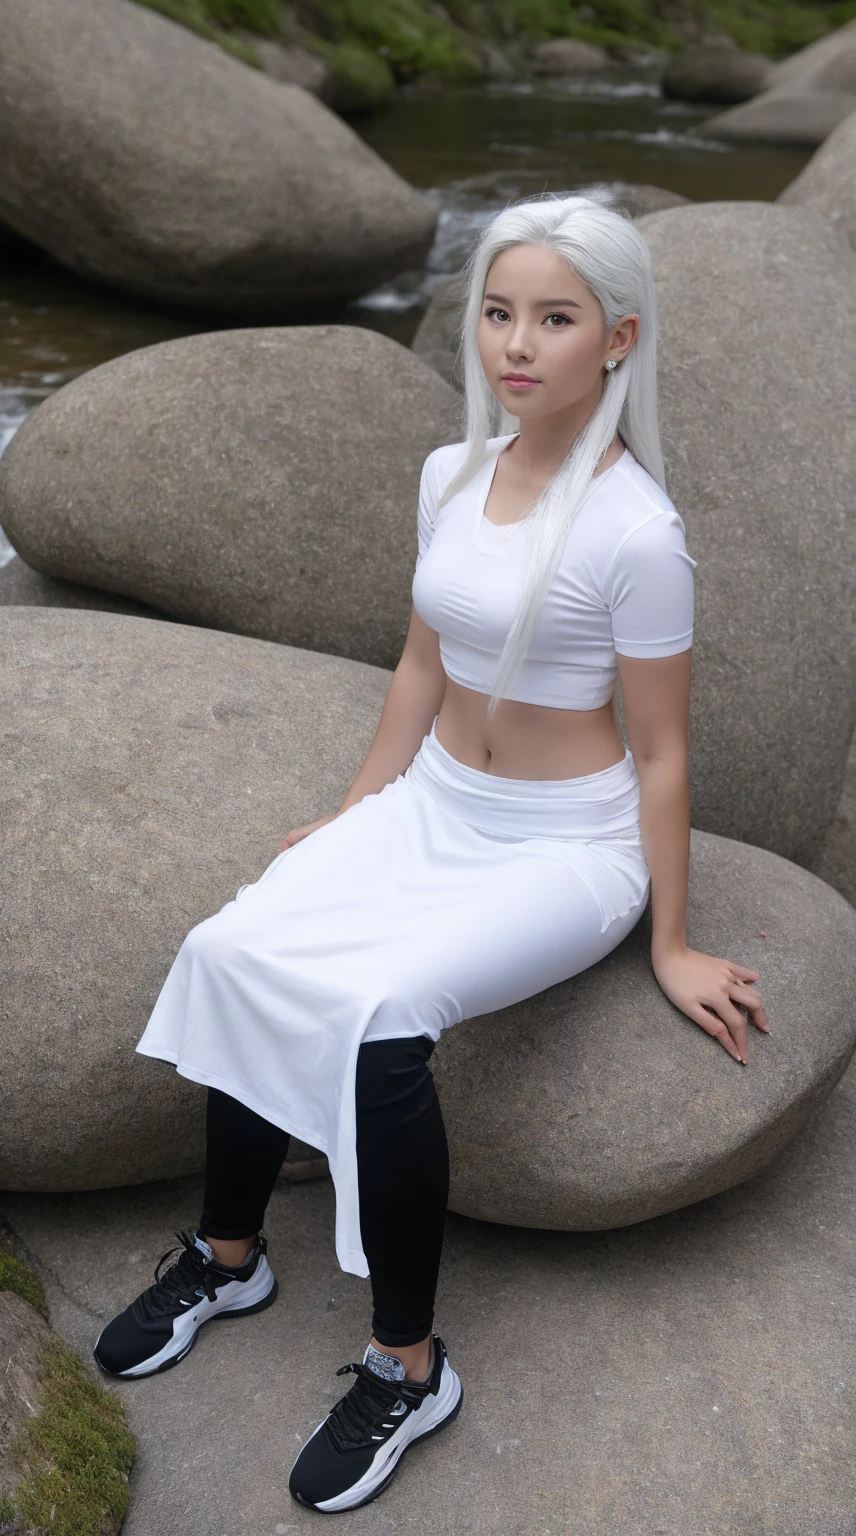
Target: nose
517, 341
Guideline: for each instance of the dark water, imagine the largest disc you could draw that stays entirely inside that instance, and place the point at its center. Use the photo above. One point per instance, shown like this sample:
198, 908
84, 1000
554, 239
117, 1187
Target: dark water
471, 150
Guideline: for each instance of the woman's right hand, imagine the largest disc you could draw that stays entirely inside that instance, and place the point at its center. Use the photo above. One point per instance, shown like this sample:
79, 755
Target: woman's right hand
297, 834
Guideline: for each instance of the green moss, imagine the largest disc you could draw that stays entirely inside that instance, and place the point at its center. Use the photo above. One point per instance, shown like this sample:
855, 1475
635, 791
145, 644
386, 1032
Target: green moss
363, 80
774, 27
262, 16
406, 34
193, 15
21, 1278
382, 40
75, 1456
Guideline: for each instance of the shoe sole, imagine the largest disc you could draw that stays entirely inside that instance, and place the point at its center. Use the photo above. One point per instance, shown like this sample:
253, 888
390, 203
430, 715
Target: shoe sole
216, 1317
370, 1497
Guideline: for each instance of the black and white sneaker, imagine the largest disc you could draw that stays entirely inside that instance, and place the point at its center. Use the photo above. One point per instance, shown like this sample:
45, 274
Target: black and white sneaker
158, 1329
356, 1450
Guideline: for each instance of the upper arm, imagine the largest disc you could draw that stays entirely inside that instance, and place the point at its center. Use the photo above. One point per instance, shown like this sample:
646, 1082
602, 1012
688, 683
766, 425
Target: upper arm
650, 594
426, 507
422, 646
656, 698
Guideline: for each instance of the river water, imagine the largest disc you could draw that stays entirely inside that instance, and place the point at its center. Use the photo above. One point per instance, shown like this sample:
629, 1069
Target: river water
471, 150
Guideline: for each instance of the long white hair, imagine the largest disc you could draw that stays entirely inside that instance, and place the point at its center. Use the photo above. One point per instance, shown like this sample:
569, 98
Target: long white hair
605, 250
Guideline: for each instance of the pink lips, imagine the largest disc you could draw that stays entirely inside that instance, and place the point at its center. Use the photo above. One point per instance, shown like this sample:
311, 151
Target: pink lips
519, 382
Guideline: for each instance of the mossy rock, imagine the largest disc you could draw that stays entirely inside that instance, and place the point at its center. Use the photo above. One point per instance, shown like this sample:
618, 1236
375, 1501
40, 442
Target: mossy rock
21, 1279
361, 81
406, 39
194, 14
66, 1470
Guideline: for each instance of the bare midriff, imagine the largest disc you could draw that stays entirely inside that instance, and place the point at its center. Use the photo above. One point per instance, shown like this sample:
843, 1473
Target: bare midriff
526, 741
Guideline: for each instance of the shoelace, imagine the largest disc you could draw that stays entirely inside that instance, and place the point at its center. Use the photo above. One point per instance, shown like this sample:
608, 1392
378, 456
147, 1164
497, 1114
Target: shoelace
187, 1279
368, 1404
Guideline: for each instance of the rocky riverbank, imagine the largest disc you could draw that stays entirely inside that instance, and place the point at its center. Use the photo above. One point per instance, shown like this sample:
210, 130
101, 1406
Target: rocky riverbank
357, 57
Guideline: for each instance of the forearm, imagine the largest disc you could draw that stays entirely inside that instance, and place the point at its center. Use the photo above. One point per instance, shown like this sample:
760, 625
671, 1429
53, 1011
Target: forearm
412, 701
664, 816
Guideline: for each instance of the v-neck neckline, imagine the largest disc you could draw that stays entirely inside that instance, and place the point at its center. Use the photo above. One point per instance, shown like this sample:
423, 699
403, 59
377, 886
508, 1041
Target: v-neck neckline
490, 465
503, 530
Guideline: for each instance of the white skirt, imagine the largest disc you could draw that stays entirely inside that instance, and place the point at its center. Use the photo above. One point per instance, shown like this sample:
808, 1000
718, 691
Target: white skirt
450, 893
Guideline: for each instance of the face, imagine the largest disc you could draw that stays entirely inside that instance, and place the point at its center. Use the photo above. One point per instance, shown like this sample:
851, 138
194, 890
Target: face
539, 319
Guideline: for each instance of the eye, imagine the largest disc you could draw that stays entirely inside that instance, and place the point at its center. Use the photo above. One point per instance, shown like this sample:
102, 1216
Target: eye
556, 315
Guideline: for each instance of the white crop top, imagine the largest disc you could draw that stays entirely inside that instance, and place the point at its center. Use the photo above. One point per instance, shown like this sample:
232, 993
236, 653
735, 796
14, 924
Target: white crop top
624, 583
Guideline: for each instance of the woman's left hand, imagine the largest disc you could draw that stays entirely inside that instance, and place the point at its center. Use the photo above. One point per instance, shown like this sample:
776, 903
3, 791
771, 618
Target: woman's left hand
712, 993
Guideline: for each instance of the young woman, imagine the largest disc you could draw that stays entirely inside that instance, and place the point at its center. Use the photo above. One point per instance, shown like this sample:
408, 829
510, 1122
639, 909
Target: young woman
498, 838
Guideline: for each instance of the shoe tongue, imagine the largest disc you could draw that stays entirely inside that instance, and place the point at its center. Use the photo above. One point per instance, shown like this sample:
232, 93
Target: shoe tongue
385, 1366
199, 1242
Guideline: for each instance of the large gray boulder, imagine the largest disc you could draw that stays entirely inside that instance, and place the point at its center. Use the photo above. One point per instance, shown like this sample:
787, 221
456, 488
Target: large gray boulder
149, 771
757, 430
801, 121
804, 98
836, 861
598, 1103
21, 586
140, 154
828, 184
828, 64
260, 480
568, 56
725, 76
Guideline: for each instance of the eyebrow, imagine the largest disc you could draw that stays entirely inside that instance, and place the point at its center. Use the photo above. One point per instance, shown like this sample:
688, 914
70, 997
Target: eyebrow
539, 303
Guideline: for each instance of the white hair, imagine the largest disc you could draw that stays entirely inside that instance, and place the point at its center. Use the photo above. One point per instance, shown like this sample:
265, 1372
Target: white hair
605, 250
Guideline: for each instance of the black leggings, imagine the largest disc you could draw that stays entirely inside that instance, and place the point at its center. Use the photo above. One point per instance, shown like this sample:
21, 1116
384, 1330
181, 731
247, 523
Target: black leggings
403, 1175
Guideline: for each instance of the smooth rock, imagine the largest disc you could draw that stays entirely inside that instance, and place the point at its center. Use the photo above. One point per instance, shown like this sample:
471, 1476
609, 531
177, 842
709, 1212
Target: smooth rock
836, 862
827, 183
599, 1103
294, 65
782, 116
437, 336
137, 153
247, 480
149, 770
804, 99
646, 61
756, 418
716, 75
568, 56
21, 586
827, 64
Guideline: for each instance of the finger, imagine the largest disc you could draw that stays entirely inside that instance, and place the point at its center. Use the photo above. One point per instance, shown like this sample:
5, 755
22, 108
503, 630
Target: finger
735, 1023
713, 1025
743, 973
749, 999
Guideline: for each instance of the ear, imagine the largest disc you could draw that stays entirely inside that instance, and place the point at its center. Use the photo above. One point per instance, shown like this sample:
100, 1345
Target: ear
623, 337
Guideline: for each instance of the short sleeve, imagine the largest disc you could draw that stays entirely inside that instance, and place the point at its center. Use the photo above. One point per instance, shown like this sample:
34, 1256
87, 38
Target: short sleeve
650, 589
427, 506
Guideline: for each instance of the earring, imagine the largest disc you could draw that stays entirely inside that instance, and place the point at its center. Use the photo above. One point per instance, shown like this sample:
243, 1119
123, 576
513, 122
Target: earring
612, 363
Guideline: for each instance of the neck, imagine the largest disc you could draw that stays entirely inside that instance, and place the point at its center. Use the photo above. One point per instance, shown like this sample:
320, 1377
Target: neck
544, 443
